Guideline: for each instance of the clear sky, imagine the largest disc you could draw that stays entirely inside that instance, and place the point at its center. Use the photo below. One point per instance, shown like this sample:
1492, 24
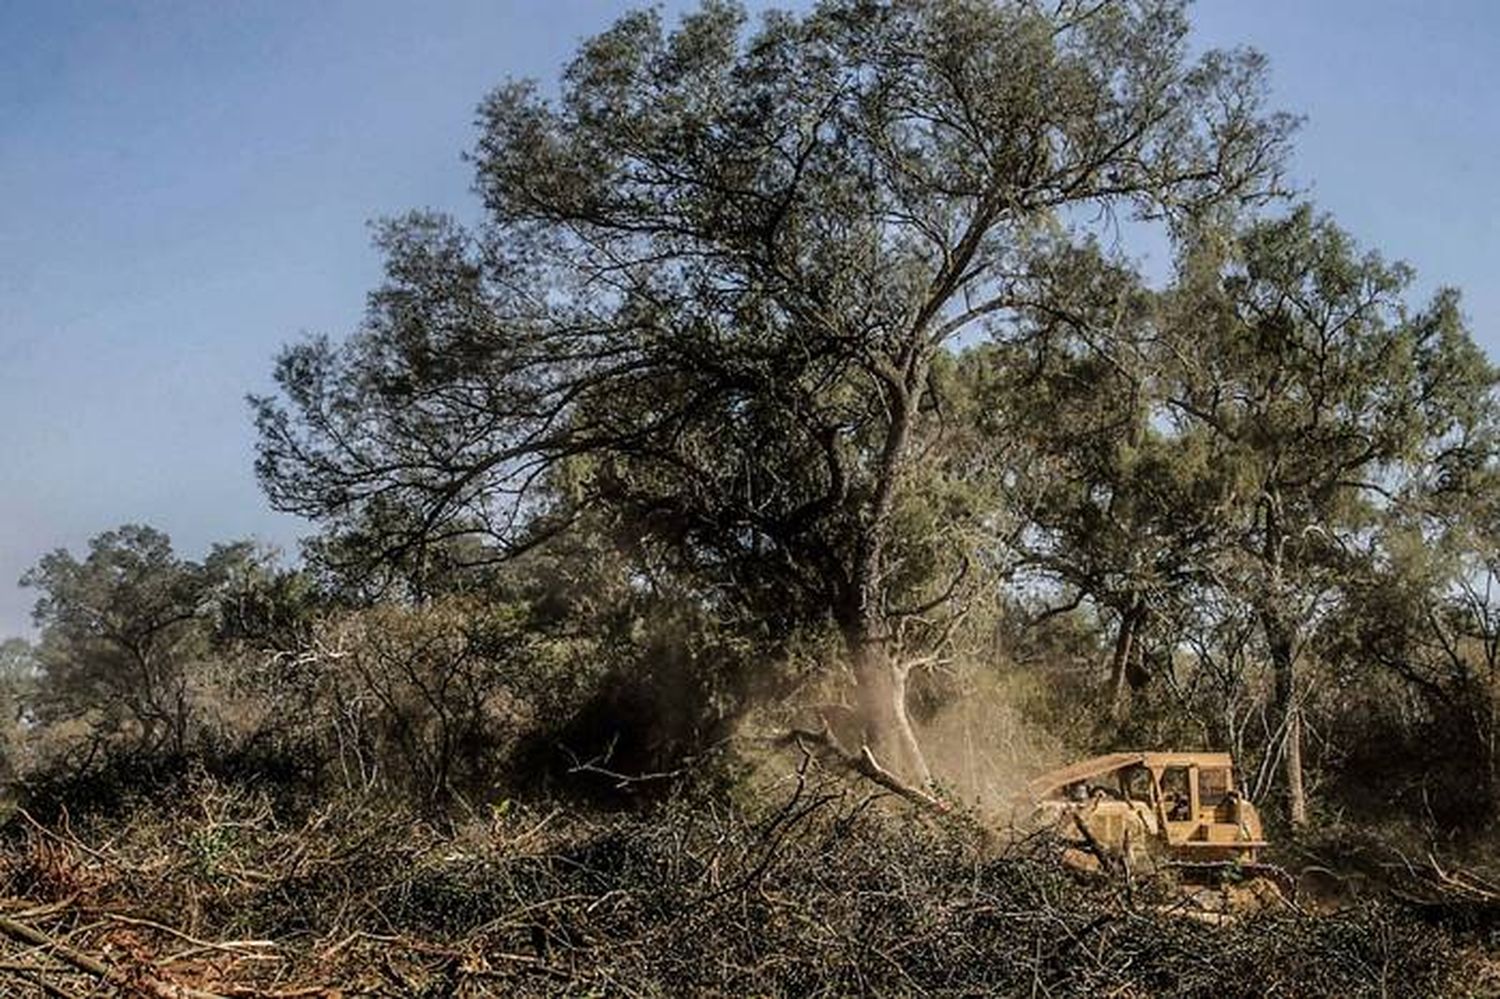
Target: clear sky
184, 186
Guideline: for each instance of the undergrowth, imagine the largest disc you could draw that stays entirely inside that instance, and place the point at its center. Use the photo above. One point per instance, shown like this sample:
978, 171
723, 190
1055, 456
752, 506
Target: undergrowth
819, 889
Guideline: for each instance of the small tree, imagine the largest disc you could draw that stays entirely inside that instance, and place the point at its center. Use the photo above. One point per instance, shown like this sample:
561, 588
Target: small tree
120, 632
18, 676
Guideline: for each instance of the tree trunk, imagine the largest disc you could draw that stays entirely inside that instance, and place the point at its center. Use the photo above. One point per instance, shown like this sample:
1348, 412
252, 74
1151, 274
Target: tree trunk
1280, 642
1283, 664
1491, 780
1119, 667
880, 691
880, 681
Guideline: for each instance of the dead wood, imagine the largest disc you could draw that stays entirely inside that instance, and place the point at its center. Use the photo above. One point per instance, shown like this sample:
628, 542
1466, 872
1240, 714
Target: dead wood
146, 985
865, 764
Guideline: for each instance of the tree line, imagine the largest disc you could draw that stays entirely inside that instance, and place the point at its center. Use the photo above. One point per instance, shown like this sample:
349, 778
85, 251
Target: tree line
806, 351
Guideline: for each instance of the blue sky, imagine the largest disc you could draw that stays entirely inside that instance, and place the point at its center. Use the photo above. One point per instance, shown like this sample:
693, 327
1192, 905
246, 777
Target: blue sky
186, 187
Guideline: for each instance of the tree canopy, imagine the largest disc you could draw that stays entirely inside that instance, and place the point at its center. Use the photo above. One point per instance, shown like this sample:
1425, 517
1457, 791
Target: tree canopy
716, 275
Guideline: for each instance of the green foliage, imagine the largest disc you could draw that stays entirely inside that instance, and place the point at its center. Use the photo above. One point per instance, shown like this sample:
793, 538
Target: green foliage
121, 630
714, 293
134, 637
256, 602
18, 679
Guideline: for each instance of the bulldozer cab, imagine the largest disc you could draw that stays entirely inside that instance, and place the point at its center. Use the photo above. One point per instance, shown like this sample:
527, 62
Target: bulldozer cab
1203, 815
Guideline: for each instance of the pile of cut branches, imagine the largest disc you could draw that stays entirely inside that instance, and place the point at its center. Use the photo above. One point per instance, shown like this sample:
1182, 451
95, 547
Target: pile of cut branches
821, 890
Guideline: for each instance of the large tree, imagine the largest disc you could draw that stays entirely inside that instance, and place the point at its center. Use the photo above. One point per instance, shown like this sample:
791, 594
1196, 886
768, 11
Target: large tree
714, 277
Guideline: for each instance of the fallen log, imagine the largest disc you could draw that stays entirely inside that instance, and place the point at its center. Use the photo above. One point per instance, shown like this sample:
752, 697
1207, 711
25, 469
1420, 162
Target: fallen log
87, 963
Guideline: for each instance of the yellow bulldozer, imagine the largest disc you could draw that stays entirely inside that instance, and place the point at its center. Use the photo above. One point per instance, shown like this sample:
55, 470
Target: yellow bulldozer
1153, 811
